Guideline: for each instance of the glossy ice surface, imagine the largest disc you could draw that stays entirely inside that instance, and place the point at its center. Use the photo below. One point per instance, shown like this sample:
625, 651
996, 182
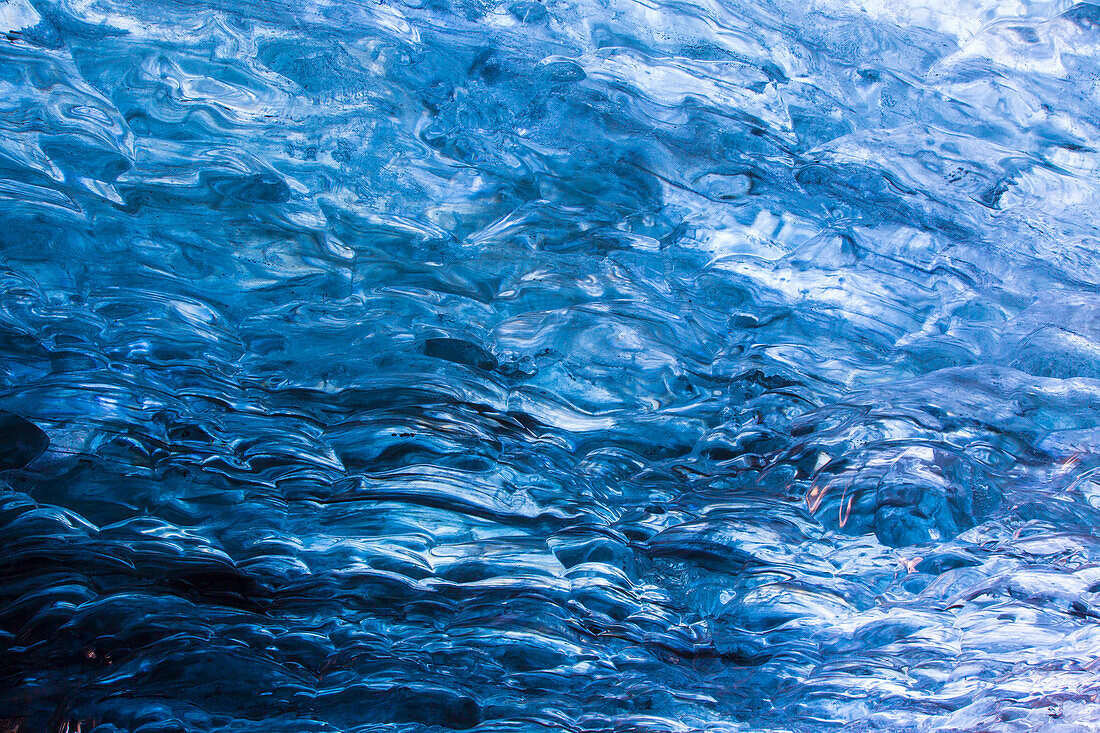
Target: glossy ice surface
576, 365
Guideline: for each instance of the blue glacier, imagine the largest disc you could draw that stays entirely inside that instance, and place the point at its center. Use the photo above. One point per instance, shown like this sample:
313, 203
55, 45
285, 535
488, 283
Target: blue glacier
598, 366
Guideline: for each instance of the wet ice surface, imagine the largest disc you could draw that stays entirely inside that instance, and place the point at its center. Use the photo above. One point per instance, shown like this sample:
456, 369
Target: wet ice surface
583, 366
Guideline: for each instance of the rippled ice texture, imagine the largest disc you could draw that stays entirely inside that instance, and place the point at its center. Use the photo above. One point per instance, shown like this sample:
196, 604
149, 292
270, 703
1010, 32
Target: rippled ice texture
584, 365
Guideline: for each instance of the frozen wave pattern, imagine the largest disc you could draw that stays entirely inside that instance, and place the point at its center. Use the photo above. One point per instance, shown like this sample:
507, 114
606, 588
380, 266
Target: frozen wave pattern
549, 366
